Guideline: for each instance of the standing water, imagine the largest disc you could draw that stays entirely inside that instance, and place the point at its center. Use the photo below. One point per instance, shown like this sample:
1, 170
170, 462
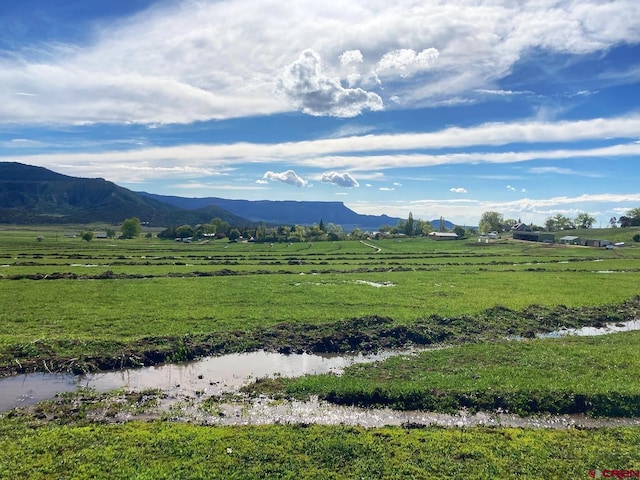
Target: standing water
211, 375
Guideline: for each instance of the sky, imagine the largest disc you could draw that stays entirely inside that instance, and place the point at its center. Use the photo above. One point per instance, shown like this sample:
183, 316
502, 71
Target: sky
529, 108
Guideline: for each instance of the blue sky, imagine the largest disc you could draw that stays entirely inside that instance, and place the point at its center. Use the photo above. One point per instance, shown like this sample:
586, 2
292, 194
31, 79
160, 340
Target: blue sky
528, 108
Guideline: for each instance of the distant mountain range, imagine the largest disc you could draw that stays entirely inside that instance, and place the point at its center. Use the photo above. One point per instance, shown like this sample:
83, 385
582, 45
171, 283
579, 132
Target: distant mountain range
284, 212
30, 195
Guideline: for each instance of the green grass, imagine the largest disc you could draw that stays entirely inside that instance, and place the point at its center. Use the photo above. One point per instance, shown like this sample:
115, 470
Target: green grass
165, 450
595, 375
148, 290
171, 300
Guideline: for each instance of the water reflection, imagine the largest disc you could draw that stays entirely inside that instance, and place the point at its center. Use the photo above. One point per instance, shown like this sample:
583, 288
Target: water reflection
210, 375
213, 375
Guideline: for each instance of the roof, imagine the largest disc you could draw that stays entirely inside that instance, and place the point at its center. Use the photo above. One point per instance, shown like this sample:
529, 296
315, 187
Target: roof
569, 238
443, 234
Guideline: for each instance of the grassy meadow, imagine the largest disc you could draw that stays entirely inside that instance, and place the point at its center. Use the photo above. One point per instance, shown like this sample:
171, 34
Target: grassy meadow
71, 305
103, 299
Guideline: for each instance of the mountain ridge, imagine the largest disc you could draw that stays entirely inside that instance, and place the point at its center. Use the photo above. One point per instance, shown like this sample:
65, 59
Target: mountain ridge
31, 194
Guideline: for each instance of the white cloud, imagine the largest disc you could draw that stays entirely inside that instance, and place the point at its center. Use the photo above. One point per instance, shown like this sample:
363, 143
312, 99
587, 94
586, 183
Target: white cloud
386, 189
510, 188
406, 62
262, 181
397, 184
351, 56
356, 153
307, 86
458, 190
289, 177
339, 179
180, 62
562, 171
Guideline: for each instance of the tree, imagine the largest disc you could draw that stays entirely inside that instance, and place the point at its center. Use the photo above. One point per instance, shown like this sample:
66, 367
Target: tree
491, 222
624, 221
321, 226
442, 226
87, 236
634, 217
584, 220
335, 232
221, 226
184, 231
558, 222
111, 233
130, 228
458, 230
408, 226
234, 235
613, 222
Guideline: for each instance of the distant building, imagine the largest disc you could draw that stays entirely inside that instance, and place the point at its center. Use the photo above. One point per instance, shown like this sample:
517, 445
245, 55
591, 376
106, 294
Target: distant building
535, 236
520, 227
443, 236
595, 242
570, 240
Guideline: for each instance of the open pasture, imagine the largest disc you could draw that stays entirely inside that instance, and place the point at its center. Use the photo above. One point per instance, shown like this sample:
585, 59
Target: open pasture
68, 298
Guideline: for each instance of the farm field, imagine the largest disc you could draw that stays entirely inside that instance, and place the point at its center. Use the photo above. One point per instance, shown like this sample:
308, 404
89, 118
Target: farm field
150, 299
70, 305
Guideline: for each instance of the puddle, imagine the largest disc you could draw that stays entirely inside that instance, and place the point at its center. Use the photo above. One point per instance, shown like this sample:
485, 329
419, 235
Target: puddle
629, 326
375, 284
186, 385
210, 375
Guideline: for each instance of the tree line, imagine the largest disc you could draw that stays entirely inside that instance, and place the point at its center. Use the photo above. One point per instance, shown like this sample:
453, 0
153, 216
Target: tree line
495, 221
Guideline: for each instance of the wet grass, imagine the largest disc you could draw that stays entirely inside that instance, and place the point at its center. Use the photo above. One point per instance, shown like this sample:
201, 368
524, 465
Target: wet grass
599, 376
168, 301
151, 300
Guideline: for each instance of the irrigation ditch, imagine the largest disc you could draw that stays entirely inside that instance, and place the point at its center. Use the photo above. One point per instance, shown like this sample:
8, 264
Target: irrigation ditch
212, 391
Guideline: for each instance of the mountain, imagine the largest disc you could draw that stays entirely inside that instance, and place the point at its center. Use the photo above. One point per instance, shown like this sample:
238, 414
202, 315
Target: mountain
284, 212
31, 194
435, 224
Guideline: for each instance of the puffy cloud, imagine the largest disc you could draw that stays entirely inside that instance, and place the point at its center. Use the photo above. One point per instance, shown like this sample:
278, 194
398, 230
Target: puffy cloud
386, 189
183, 61
406, 61
290, 177
340, 179
510, 188
351, 56
458, 190
306, 85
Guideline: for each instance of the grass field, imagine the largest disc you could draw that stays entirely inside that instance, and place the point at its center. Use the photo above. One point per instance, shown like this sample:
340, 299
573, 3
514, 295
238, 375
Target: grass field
69, 304
168, 451
595, 375
97, 299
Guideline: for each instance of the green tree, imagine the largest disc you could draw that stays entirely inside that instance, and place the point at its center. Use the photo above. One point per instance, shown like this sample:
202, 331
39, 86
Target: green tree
130, 228
321, 226
442, 226
634, 217
234, 235
458, 230
408, 226
334, 232
111, 233
184, 231
425, 227
584, 220
87, 236
491, 222
221, 226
